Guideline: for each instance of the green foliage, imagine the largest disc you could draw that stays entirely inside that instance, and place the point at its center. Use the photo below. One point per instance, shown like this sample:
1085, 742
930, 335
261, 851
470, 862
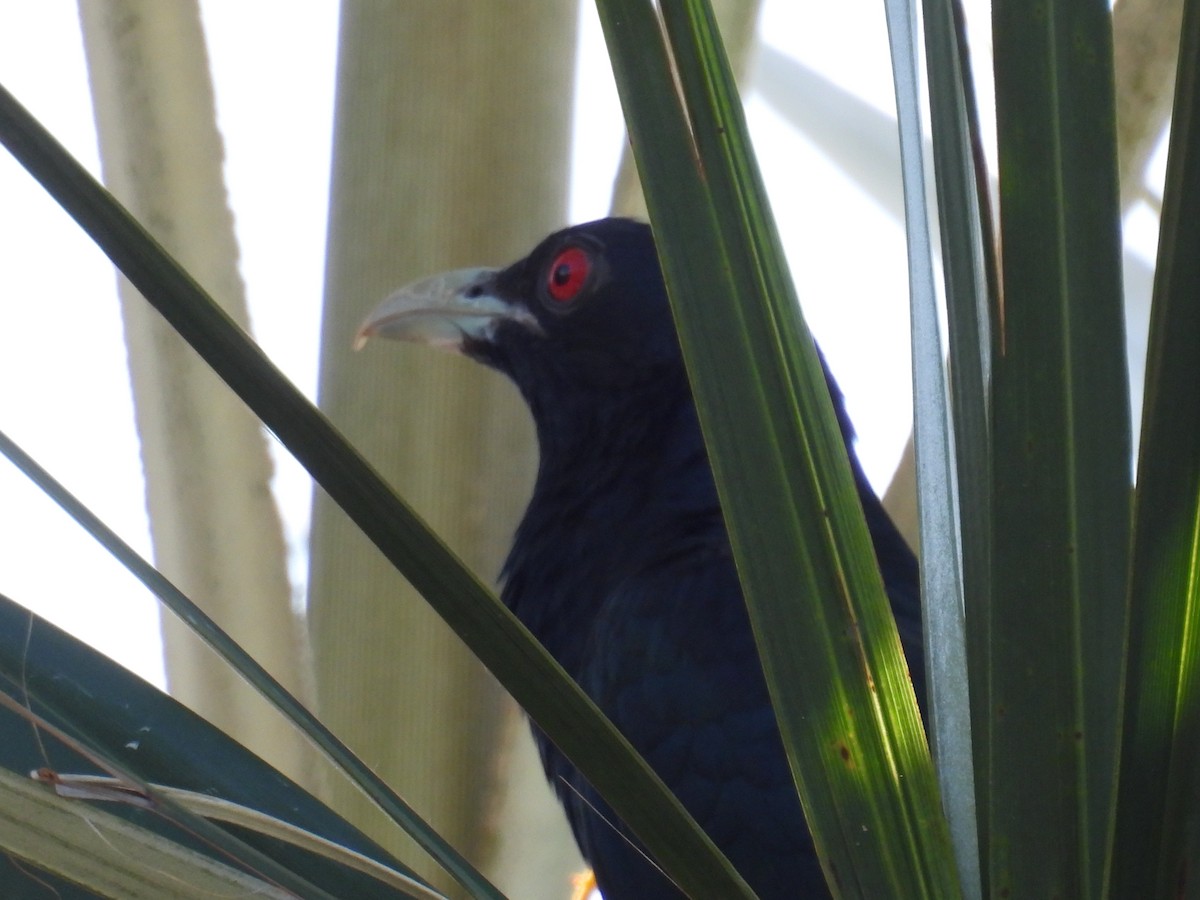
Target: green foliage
1060, 455
829, 645
501, 642
1154, 850
1074, 604
93, 717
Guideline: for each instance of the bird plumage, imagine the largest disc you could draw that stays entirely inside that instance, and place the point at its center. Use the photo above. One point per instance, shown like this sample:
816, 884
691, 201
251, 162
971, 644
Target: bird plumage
621, 565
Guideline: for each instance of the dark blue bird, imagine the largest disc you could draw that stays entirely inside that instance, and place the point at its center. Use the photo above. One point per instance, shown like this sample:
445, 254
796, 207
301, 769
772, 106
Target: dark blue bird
621, 565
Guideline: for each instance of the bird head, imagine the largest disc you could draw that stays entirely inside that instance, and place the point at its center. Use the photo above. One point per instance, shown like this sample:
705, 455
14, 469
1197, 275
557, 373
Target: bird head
586, 309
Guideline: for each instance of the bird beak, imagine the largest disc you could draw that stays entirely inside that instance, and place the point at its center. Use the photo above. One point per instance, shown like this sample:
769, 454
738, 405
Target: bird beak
443, 311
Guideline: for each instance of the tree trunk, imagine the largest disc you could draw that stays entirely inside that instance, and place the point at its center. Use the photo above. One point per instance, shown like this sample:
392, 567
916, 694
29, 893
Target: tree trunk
213, 520
450, 147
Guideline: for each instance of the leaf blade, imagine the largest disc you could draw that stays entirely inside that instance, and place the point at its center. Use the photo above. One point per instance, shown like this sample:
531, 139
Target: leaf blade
708, 256
492, 632
1150, 852
1060, 475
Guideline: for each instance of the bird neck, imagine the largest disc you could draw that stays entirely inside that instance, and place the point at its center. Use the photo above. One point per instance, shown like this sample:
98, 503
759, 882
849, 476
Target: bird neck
623, 455
622, 479
624, 482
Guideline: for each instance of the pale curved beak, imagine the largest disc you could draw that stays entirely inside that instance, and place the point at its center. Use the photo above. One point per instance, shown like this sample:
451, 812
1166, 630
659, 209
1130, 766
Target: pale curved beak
442, 311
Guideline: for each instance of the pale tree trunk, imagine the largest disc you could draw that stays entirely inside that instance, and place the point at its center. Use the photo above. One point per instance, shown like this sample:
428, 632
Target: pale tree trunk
450, 147
214, 524
1145, 50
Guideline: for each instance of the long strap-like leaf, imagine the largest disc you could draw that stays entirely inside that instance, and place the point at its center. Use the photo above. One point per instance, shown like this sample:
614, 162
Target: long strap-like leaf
492, 632
1154, 851
825, 633
249, 668
942, 588
1061, 455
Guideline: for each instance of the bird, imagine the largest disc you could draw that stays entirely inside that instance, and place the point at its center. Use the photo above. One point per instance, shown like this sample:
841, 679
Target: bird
621, 565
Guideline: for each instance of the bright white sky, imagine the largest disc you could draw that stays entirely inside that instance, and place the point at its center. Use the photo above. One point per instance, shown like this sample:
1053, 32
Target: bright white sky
64, 391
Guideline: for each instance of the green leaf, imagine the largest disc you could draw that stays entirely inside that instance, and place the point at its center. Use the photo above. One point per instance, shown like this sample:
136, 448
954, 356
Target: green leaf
971, 291
825, 632
46, 839
258, 677
1061, 460
941, 510
1154, 850
131, 729
493, 633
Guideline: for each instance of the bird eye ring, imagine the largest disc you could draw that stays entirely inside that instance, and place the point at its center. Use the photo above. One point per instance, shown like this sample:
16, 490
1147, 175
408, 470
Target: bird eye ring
568, 274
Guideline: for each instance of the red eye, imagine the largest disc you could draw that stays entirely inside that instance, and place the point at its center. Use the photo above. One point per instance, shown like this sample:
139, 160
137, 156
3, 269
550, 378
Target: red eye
567, 274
